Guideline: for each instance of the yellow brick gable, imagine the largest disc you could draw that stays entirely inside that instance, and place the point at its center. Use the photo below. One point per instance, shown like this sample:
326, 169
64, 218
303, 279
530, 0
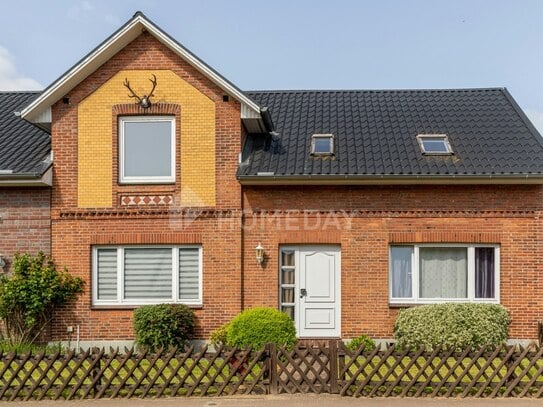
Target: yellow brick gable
95, 150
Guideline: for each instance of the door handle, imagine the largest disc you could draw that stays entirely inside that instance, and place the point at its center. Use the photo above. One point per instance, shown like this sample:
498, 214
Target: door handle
303, 293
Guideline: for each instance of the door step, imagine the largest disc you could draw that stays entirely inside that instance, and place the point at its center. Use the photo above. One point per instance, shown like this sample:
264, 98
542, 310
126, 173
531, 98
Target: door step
314, 342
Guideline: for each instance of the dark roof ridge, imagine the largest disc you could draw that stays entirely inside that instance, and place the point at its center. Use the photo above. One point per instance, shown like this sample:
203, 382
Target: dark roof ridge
421, 90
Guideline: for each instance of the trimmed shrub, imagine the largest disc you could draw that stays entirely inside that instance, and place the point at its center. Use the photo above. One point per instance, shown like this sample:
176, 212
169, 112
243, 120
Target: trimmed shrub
452, 325
361, 341
163, 326
258, 326
218, 336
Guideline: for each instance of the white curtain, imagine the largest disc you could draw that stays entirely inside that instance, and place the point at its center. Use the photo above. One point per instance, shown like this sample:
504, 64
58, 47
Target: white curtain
443, 272
401, 271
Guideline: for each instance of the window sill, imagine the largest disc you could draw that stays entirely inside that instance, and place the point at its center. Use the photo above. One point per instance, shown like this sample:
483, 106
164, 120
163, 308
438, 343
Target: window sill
129, 183
417, 304
106, 307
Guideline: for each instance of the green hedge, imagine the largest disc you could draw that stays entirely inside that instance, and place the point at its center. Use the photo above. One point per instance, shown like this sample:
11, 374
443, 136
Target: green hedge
455, 325
361, 341
163, 326
258, 326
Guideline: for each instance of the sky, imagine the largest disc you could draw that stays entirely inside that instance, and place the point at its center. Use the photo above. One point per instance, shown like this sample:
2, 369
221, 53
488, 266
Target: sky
300, 44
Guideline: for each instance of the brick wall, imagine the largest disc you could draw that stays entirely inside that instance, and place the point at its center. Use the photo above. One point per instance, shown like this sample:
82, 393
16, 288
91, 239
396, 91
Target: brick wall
75, 229
365, 220
98, 137
24, 221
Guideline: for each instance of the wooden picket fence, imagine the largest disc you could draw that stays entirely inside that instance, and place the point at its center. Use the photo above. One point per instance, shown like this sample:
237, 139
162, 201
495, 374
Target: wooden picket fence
324, 368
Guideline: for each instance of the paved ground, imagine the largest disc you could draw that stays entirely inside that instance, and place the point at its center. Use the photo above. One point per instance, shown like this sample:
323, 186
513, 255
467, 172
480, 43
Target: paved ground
308, 400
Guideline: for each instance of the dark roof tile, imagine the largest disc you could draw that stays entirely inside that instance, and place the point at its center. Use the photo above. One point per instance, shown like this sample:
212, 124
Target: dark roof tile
376, 133
23, 147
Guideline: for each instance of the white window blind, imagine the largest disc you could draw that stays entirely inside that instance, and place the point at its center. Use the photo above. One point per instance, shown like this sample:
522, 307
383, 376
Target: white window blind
147, 275
189, 274
147, 149
107, 278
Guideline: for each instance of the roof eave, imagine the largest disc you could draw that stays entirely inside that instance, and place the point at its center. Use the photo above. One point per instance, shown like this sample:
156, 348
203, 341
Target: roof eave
31, 179
118, 40
390, 179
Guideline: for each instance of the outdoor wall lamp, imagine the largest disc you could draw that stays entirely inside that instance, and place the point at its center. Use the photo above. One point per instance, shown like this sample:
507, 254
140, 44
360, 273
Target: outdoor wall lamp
259, 253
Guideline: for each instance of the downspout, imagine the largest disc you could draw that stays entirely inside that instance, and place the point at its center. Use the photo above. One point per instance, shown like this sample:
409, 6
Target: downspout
270, 128
242, 246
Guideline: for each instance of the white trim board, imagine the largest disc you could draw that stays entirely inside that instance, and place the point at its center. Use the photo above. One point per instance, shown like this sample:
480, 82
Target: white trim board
96, 58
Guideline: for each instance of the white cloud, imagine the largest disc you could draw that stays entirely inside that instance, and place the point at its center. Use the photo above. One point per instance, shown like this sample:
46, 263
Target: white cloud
10, 79
536, 118
86, 6
79, 10
113, 20
85, 11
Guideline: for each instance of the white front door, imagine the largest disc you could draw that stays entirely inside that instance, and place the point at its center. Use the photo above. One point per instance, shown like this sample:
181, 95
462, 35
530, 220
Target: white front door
312, 290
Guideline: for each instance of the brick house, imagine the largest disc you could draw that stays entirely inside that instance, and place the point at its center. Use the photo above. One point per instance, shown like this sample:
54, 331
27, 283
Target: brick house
362, 202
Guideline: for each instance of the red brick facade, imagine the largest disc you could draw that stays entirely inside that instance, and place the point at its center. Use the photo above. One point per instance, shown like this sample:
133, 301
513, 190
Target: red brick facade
25, 221
362, 220
74, 230
366, 220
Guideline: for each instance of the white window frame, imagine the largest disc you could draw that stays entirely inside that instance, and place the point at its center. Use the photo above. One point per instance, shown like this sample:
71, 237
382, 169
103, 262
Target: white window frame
444, 137
415, 275
120, 276
123, 179
328, 136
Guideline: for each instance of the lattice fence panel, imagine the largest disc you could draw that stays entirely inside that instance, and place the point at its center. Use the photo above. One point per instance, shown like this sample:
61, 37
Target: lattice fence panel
485, 372
101, 374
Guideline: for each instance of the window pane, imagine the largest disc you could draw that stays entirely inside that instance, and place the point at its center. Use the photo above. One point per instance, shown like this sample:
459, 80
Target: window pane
148, 273
443, 272
484, 272
287, 258
289, 310
322, 144
434, 145
189, 275
287, 295
107, 274
147, 149
401, 271
287, 276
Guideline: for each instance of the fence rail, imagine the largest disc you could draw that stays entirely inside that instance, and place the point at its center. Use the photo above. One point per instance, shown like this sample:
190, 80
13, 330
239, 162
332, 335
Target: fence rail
326, 368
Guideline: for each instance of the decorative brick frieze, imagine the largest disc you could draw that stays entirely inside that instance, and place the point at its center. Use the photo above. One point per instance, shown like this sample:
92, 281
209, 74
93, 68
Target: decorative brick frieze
142, 200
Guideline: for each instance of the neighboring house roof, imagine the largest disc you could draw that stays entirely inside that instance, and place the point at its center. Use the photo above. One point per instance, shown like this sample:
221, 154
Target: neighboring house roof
24, 148
39, 110
375, 136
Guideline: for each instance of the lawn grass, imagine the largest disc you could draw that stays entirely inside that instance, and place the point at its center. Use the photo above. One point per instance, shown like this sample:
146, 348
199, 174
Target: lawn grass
116, 374
438, 375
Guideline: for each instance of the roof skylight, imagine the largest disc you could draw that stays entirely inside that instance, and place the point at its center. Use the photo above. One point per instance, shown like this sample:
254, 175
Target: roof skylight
434, 144
322, 144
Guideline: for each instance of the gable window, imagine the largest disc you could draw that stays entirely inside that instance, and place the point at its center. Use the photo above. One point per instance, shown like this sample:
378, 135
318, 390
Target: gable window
444, 273
322, 144
147, 149
434, 144
134, 275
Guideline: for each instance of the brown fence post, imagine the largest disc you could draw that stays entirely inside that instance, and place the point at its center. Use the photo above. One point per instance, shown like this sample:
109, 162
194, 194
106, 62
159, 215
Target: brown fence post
272, 368
332, 355
96, 370
341, 365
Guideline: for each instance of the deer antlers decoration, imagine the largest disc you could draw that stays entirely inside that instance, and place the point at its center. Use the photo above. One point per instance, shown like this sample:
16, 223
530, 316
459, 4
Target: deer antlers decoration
145, 101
